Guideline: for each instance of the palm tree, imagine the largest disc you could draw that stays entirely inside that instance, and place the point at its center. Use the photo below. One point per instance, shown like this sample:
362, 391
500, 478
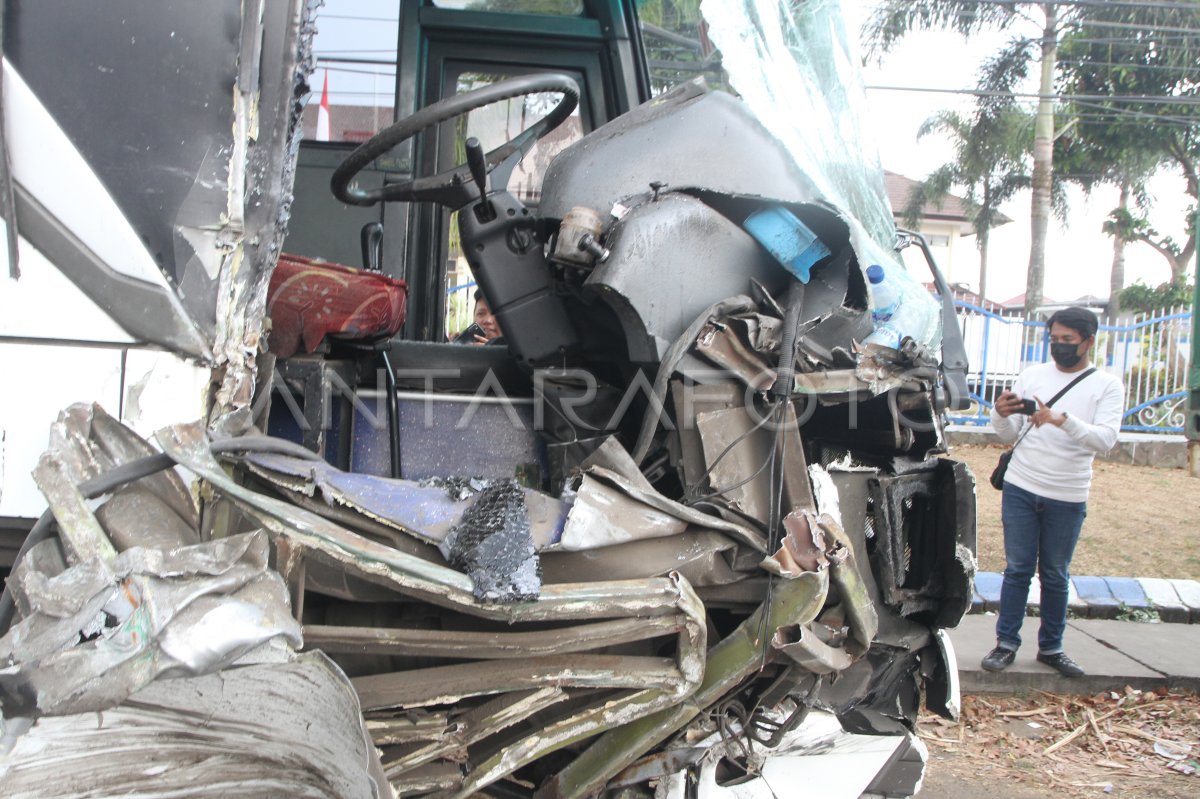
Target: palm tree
990, 163
893, 19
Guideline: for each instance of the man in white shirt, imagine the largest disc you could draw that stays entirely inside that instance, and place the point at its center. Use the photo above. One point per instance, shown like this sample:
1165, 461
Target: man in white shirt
1046, 485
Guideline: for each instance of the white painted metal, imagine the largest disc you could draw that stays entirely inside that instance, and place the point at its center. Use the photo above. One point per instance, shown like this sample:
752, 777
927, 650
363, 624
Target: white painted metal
818, 759
47, 165
39, 381
44, 304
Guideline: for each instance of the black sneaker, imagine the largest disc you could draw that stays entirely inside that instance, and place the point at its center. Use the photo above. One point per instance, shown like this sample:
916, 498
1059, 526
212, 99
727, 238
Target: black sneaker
1062, 664
998, 659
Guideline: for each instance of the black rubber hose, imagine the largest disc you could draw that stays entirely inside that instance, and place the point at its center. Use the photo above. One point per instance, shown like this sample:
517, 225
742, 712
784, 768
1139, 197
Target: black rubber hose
128, 473
786, 371
125, 473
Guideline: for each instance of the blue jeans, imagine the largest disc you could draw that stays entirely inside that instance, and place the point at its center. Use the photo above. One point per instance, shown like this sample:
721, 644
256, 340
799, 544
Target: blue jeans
1038, 533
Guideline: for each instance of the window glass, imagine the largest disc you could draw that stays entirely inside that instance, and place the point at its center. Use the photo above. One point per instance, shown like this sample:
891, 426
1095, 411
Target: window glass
354, 83
677, 46
493, 125
566, 8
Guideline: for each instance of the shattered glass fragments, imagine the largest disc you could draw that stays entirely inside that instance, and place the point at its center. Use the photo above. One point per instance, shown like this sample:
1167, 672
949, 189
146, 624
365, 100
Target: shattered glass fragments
492, 543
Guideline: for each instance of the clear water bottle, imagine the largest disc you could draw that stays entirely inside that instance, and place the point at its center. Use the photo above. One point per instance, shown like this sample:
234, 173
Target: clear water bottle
886, 294
902, 307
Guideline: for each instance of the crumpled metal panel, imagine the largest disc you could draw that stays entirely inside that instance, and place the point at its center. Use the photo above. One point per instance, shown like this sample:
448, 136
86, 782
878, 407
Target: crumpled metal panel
616, 504
426, 511
85, 442
446, 588
290, 728
149, 613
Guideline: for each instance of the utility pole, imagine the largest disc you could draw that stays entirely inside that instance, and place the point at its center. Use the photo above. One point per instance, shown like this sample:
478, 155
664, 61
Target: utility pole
1043, 165
1192, 422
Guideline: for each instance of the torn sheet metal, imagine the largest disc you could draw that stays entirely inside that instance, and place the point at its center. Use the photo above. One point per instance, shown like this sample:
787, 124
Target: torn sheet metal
803, 545
464, 644
809, 646
845, 574
730, 662
741, 476
476, 725
427, 511
85, 442
616, 504
290, 728
451, 684
448, 588
723, 346
492, 543
99, 632
704, 557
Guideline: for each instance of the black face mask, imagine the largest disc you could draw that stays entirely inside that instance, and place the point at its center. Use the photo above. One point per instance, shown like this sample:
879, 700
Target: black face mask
1065, 355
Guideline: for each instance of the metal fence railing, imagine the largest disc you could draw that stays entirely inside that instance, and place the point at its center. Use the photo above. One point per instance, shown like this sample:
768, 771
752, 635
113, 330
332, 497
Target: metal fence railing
1148, 351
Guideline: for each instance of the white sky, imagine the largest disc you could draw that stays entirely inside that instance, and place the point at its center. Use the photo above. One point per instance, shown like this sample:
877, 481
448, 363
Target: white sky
1079, 255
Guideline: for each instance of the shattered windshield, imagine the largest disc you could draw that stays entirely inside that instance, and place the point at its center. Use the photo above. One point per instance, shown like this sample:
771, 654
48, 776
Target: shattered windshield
793, 64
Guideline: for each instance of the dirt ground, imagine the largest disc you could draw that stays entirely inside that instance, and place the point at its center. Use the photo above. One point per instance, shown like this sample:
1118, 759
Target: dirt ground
1132, 745
1142, 521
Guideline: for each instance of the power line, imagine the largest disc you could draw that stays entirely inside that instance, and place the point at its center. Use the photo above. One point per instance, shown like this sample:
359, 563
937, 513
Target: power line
1167, 5
1124, 98
1142, 115
375, 73
321, 16
1134, 26
1193, 70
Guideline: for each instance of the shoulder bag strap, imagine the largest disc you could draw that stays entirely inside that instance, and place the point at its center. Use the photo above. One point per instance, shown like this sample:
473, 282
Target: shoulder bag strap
1053, 400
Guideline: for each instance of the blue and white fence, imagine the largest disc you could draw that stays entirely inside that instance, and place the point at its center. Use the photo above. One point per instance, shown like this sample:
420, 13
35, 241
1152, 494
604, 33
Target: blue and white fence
1149, 352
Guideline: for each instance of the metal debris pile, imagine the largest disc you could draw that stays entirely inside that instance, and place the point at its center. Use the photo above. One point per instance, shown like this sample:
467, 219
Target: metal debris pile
1083, 745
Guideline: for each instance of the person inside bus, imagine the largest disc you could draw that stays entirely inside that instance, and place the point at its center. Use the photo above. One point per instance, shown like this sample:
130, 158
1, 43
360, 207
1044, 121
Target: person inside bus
1046, 485
485, 329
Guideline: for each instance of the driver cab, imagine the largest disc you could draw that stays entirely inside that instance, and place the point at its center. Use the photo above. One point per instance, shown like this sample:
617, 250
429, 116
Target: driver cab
369, 295
378, 63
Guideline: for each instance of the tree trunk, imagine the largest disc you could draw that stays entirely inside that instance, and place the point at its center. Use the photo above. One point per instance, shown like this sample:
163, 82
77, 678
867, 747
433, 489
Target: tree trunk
1116, 279
1179, 267
981, 241
1043, 165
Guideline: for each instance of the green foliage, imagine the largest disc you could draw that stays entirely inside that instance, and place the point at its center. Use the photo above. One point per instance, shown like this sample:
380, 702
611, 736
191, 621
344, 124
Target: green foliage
1140, 297
991, 151
1123, 51
1142, 615
677, 47
1124, 226
892, 20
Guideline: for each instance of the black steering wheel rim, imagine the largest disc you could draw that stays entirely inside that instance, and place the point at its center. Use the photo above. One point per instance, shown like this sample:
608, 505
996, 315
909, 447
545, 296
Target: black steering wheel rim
450, 187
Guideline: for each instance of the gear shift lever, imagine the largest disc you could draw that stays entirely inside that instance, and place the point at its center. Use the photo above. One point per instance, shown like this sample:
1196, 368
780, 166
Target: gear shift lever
478, 166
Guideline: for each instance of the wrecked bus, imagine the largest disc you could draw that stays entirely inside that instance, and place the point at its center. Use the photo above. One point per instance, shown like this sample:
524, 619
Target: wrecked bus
681, 530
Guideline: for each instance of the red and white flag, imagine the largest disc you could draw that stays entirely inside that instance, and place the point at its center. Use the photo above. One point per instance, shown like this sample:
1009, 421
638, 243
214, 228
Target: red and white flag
323, 112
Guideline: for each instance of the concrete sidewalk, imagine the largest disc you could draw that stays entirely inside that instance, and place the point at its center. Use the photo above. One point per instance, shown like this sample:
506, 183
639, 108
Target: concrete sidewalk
1105, 597
1113, 653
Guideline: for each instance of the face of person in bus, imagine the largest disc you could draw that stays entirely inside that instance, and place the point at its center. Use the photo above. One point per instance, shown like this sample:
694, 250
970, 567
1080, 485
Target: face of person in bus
485, 319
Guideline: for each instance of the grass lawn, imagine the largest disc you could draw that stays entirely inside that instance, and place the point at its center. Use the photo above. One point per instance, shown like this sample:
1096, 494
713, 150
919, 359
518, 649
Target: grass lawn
1142, 521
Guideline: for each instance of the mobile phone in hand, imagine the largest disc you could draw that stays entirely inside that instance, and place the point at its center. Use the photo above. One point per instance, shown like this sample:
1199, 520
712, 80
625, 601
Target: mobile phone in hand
468, 335
1029, 407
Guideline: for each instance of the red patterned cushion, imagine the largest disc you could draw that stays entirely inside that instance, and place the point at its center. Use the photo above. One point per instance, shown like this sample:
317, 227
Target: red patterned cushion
309, 300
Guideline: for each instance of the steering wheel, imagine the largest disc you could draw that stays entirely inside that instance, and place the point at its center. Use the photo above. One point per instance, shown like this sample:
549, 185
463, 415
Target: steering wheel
452, 188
